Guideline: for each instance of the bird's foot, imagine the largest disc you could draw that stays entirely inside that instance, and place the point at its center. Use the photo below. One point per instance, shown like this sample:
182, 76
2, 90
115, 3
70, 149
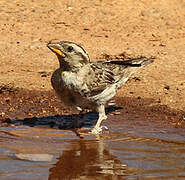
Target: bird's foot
94, 131
98, 130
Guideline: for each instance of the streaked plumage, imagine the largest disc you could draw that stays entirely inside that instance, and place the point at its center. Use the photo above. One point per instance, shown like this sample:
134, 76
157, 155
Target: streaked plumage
89, 85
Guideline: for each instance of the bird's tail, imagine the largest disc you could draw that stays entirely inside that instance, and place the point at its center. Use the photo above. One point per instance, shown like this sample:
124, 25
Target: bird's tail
132, 66
139, 62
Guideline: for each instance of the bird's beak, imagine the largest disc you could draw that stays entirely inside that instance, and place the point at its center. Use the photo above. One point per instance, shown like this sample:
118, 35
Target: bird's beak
56, 48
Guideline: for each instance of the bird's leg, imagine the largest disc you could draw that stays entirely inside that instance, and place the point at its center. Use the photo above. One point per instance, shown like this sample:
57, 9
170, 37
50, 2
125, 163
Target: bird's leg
102, 116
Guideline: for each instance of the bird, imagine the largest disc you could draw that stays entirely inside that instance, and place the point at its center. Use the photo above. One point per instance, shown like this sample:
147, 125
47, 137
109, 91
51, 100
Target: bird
85, 84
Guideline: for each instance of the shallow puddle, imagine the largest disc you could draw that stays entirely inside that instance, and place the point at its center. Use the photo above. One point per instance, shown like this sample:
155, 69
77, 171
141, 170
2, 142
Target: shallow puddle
130, 150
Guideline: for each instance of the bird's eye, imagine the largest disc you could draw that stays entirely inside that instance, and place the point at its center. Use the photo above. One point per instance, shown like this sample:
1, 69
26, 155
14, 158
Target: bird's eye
70, 48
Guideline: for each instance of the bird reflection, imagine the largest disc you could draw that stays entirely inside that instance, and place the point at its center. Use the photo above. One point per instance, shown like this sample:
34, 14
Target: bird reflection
87, 159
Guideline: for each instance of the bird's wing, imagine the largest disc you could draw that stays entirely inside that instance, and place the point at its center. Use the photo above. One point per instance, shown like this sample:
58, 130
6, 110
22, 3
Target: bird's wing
103, 74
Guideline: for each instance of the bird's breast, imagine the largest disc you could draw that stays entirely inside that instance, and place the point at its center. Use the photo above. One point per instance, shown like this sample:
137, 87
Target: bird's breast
69, 87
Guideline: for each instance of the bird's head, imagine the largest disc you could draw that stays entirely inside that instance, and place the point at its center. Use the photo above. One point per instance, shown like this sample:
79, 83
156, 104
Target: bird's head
69, 54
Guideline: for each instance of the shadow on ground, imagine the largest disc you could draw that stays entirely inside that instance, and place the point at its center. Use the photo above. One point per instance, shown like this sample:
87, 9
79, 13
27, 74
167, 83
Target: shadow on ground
42, 108
86, 120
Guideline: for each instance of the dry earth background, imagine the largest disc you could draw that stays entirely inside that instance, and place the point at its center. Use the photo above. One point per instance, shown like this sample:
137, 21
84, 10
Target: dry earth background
106, 29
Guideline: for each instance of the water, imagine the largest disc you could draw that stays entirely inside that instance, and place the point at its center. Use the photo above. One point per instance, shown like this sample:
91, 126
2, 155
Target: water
131, 150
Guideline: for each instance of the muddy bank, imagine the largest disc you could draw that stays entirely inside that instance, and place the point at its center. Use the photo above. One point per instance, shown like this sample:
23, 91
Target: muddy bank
31, 105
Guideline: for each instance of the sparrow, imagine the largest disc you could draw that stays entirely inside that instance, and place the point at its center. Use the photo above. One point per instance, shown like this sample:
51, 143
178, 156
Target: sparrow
84, 84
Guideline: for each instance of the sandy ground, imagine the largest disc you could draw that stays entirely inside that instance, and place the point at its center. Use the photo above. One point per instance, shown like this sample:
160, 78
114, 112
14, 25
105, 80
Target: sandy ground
105, 28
